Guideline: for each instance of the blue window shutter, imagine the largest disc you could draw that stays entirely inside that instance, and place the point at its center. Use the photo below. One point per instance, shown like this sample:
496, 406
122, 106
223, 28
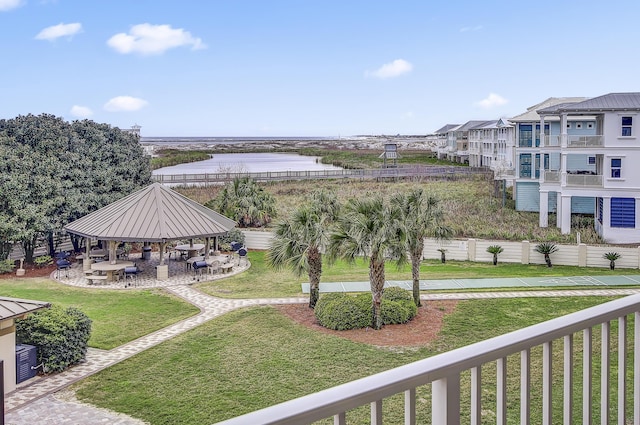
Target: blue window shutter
623, 212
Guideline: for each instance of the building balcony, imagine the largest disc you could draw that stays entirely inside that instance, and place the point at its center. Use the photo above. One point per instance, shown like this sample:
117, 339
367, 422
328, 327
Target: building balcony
551, 176
573, 141
584, 180
595, 372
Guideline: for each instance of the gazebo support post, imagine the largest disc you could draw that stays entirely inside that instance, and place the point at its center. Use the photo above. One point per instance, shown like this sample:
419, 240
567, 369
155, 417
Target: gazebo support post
112, 251
162, 271
86, 263
163, 248
207, 244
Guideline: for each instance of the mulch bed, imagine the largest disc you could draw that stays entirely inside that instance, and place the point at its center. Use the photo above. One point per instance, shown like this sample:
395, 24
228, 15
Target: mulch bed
420, 331
30, 271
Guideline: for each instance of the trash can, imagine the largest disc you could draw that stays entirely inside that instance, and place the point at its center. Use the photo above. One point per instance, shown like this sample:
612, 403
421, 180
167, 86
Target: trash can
26, 362
146, 253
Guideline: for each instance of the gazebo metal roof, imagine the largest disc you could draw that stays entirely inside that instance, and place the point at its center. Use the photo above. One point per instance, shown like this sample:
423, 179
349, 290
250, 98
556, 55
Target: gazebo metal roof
153, 214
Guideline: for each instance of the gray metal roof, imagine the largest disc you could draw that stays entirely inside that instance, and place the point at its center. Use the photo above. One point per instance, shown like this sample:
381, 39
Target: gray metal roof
607, 102
446, 128
532, 112
153, 214
471, 125
11, 308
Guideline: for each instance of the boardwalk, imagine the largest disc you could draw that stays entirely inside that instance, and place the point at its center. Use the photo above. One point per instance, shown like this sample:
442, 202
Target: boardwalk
417, 172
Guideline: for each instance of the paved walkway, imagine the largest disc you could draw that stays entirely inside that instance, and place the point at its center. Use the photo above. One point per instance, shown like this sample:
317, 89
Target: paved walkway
42, 399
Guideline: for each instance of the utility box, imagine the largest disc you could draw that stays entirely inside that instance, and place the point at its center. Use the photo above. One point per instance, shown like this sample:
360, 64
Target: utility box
26, 362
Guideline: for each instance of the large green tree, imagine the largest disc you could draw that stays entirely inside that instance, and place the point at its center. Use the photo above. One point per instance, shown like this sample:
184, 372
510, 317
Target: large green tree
244, 201
53, 172
298, 241
422, 218
371, 228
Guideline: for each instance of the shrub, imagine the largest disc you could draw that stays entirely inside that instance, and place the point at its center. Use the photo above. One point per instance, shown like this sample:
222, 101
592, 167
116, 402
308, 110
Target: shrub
341, 311
43, 260
6, 266
60, 334
234, 235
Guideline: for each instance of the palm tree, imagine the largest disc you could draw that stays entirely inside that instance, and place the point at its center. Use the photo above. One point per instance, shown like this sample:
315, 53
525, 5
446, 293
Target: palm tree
370, 228
495, 250
245, 202
422, 218
298, 242
546, 248
612, 257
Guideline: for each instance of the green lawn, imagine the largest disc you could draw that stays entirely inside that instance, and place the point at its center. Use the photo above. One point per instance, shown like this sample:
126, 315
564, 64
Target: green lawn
118, 316
256, 357
261, 281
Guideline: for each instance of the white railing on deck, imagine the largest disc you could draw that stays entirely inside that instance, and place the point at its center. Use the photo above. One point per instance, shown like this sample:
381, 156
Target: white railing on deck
584, 180
443, 372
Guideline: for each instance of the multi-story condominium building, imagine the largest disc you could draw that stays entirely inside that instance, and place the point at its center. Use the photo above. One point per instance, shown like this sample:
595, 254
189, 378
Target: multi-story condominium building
458, 141
441, 137
530, 158
610, 177
491, 145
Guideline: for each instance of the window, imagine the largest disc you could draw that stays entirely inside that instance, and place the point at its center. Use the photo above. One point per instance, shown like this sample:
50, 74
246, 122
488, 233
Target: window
600, 207
592, 160
623, 212
589, 125
546, 132
616, 167
578, 125
568, 125
525, 165
526, 135
627, 123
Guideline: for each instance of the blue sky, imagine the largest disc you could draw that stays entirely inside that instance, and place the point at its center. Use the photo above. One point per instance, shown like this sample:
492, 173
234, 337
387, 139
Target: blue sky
307, 67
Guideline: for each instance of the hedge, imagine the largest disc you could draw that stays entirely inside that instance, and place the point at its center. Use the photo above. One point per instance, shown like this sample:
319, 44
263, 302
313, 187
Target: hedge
61, 336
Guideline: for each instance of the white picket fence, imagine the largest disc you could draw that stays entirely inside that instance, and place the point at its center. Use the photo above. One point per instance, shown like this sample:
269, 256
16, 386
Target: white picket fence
514, 252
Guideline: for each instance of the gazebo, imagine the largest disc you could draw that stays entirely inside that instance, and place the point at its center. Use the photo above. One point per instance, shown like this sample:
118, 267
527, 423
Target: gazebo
153, 214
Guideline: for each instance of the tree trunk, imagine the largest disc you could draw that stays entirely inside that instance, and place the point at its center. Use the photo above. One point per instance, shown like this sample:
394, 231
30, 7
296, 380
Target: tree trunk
612, 265
51, 249
443, 257
415, 275
495, 259
376, 279
315, 271
547, 259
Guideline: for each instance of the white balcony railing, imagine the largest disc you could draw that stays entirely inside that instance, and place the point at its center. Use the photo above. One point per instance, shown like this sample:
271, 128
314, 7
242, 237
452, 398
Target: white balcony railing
551, 176
442, 373
573, 141
584, 180
595, 141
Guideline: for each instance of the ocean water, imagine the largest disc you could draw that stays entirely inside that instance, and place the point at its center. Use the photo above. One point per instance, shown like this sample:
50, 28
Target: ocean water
248, 163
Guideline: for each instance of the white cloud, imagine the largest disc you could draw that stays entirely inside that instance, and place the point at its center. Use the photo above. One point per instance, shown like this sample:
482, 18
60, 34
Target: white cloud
409, 115
60, 30
10, 4
391, 70
150, 39
492, 101
125, 103
467, 29
81, 111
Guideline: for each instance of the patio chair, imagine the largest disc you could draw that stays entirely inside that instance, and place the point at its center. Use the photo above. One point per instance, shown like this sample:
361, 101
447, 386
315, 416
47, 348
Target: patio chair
213, 267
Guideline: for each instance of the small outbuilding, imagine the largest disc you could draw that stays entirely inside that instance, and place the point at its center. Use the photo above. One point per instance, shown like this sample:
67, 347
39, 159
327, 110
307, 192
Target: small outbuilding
10, 310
